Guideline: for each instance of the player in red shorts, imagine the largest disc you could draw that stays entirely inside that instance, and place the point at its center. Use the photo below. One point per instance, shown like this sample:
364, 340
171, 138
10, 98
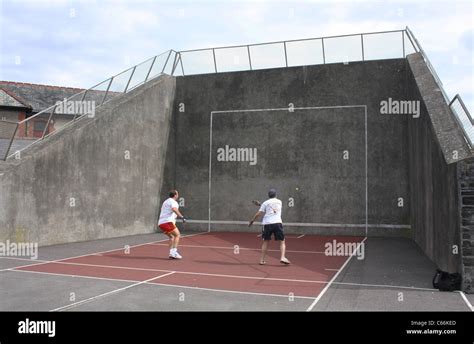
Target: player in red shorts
167, 222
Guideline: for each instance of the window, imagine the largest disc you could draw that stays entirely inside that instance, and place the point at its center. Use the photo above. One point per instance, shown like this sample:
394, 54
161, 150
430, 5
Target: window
39, 127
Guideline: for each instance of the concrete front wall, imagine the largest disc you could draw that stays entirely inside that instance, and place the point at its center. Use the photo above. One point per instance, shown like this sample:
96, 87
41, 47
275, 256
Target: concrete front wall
300, 153
433, 183
79, 185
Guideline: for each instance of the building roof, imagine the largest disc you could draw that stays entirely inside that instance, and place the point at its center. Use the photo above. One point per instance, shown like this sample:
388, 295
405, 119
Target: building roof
10, 100
39, 97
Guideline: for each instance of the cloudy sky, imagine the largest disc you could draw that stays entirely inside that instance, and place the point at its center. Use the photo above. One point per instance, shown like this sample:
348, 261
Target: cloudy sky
81, 42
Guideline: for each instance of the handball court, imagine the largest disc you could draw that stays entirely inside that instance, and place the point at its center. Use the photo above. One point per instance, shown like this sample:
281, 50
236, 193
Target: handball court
221, 272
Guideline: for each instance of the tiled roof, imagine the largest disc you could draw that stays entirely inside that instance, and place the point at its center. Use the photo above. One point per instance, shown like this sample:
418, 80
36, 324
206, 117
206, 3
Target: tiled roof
39, 97
9, 99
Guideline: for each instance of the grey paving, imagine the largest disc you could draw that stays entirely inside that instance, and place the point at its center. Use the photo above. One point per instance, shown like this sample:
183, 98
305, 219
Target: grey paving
164, 298
393, 276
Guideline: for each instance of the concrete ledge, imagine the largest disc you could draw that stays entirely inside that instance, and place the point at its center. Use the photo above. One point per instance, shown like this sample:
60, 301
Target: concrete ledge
448, 132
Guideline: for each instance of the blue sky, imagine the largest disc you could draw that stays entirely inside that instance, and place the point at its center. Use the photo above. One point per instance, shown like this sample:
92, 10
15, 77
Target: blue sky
79, 43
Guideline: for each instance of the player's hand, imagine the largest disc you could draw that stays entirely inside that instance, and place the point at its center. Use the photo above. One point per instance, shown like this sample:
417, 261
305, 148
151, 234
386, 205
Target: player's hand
183, 219
257, 203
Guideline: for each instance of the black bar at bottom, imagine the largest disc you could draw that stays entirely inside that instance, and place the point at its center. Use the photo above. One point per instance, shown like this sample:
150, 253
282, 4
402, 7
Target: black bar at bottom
323, 327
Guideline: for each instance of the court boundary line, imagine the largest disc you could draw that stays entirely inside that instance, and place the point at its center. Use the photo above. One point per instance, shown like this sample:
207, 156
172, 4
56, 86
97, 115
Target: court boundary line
74, 276
310, 308
162, 284
307, 224
175, 271
292, 110
469, 305
215, 275
117, 249
182, 272
115, 291
242, 248
218, 290
231, 291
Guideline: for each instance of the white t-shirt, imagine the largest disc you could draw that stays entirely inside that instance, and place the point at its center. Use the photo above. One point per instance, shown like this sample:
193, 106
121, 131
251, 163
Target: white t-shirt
167, 214
272, 210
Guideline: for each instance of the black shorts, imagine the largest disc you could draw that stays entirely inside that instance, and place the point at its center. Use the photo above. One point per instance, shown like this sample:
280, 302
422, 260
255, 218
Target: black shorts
276, 229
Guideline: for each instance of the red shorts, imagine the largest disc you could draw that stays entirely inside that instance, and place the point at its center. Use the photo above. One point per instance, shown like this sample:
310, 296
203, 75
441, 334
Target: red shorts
167, 227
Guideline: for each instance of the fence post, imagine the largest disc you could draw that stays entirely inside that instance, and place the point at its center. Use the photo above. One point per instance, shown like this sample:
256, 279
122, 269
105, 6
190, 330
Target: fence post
174, 62
250, 60
47, 123
130, 79
403, 43
10, 143
181, 63
166, 62
148, 74
107, 91
214, 55
324, 55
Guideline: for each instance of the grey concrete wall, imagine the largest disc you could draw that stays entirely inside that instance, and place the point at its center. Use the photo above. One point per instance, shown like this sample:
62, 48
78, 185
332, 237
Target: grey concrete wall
466, 184
113, 196
299, 153
433, 183
448, 132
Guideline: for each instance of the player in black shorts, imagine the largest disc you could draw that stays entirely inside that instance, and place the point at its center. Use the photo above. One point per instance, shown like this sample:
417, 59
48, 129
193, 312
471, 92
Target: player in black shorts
272, 224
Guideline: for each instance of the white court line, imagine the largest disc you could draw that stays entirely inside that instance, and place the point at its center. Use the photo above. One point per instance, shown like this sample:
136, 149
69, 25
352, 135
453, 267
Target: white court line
365, 226
208, 289
331, 269
164, 284
232, 291
97, 253
174, 271
466, 301
302, 235
334, 277
78, 303
240, 248
306, 224
74, 276
218, 275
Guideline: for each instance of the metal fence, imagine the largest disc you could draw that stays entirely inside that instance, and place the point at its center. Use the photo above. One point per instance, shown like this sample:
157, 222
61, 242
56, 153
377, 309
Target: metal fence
457, 106
463, 117
18, 136
310, 51
15, 137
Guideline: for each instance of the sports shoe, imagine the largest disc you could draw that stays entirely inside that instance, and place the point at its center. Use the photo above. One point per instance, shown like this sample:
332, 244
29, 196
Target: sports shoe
175, 255
284, 261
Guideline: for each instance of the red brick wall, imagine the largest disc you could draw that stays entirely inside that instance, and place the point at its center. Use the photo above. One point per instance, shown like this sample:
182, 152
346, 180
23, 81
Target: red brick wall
21, 128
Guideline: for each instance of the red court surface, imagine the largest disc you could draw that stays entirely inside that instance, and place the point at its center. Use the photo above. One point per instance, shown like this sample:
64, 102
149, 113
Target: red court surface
218, 261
